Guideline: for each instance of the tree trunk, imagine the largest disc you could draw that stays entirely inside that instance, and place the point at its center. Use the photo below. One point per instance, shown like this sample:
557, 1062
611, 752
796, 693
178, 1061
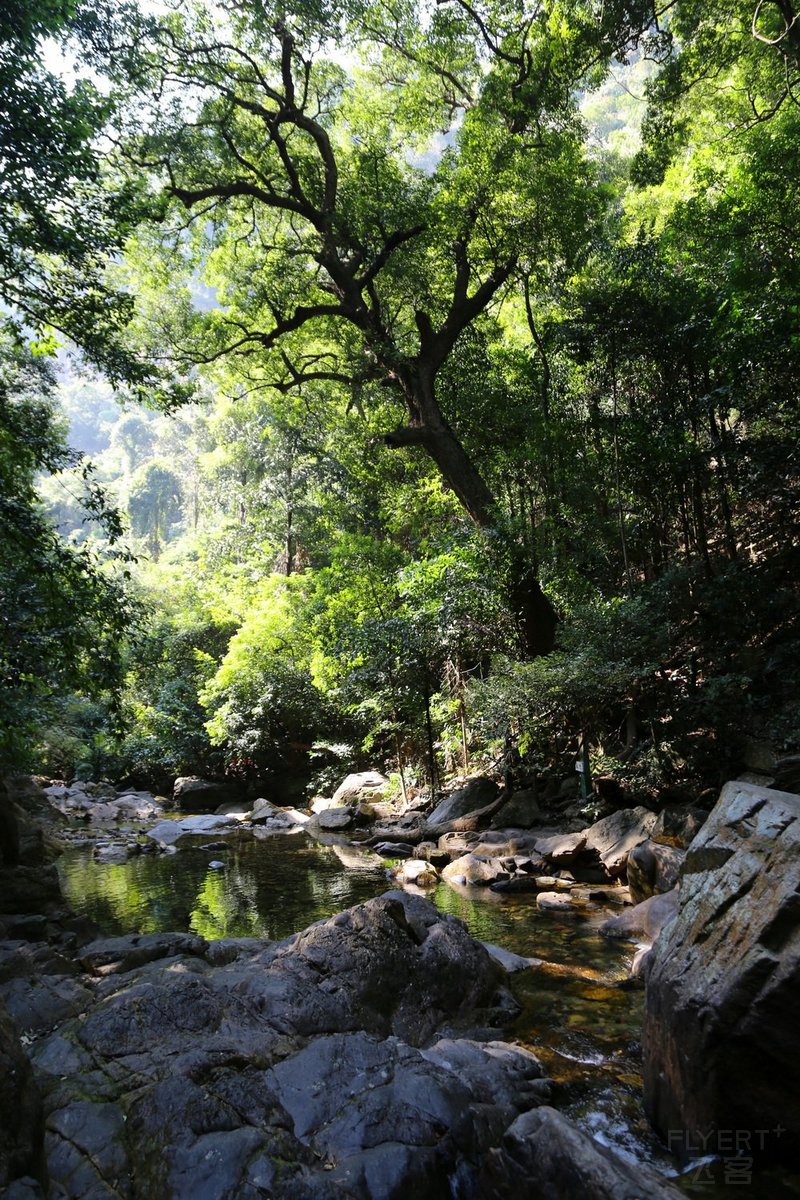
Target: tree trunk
535, 616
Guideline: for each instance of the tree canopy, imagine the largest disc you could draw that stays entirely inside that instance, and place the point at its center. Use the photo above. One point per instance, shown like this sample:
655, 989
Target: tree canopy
488, 315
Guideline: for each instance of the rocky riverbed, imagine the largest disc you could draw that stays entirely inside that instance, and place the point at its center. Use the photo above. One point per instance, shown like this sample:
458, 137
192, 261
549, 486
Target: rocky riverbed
361, 1057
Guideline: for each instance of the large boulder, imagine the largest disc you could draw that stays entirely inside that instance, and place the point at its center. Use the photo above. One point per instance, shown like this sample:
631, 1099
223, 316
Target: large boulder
338, 1063
721, 1036
476, 795
613, 838
195, 795
361, 786
521, 811
543, 1156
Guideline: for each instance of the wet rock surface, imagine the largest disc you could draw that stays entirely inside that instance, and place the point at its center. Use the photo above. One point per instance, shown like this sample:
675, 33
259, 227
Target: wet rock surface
721, 1038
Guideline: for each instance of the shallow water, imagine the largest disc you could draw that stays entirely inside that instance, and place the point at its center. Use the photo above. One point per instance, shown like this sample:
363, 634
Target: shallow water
578, 1011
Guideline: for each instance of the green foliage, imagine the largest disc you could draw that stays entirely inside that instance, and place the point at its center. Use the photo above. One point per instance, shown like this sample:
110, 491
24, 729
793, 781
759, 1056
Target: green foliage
262, 699
63, 609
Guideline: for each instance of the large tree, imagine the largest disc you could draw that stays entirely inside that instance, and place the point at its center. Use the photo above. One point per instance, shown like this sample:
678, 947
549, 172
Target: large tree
365, 183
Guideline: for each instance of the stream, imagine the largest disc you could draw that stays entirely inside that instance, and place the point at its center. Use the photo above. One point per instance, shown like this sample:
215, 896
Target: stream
579, 1013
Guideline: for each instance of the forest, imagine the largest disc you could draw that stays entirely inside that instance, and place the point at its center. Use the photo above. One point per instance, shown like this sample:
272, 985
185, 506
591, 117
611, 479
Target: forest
409, 384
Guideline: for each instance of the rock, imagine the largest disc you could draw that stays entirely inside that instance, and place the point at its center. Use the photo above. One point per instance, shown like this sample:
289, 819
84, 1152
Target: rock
520, 883
117, 955
613, 838
558, 901
677, 825
645, 920
110, 854
554, 1160
21, 1120
29, 889
721, 1037
335, 818
262, 810
476, 795
361, 785
317, 1068
40, 1002
216, 865
395, 850
192, 794
167, 833
562, 849
521, 811
652, 868
508, 960
552, 883
456, 844
470, 869
416, 871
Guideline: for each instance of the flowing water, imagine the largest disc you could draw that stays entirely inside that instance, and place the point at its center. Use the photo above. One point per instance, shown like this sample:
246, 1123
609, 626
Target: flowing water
578, 1010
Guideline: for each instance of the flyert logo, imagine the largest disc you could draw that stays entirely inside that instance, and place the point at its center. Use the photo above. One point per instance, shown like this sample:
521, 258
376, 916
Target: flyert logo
734, 1150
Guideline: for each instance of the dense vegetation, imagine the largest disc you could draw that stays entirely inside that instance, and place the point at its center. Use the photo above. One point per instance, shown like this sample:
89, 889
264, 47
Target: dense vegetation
471, 407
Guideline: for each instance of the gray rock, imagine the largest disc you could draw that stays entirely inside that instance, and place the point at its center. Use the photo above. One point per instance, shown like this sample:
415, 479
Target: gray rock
395, 849
192, 794
653, 868
361, 785
644, 922
521, 811
471, 869
120, 954
721, 1037
416, 871
262, 810
557, 902
677, 826
307, 1069
335, 818
561, 849
613, 838
167, 833
554, 1160
476, 795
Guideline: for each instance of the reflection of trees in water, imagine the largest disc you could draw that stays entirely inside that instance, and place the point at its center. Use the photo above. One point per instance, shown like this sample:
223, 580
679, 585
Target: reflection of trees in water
268, 889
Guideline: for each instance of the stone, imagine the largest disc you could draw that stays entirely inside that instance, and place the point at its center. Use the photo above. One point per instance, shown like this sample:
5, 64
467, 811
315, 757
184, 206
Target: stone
395, 849
557, 901
116, 955
456, 844
327, 1066
521, 811
167, 833
26, 889
721, 1038
508, 960
652, 868
645, 920
613, 837
561, 849
470, 869
416, 871
677, 825
544, 1156
359, 786
21, 1118
335, 818
262, 809
192, 794
475, 796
